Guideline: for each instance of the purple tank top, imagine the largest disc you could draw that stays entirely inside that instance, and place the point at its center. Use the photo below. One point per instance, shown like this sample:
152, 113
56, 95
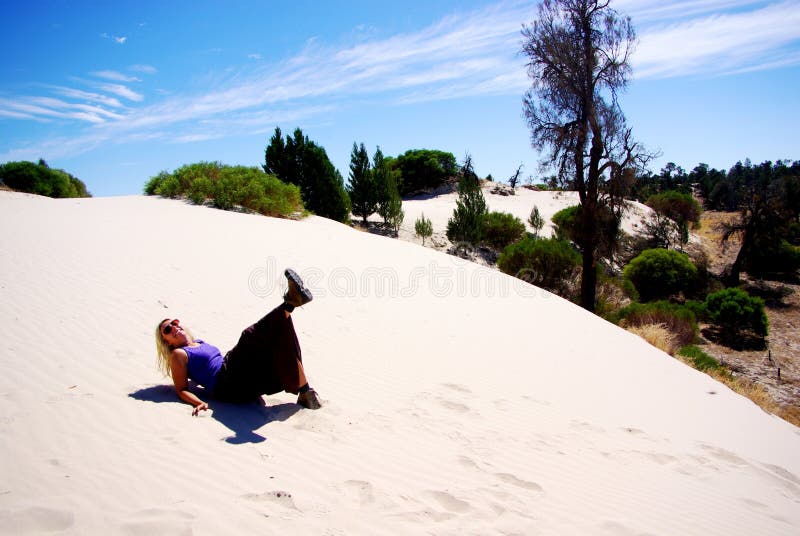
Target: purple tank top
204, 363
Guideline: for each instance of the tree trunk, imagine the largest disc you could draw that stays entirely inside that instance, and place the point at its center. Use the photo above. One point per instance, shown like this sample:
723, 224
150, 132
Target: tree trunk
588, 282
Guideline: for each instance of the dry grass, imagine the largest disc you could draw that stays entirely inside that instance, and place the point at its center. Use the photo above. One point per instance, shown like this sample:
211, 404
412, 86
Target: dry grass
658, 335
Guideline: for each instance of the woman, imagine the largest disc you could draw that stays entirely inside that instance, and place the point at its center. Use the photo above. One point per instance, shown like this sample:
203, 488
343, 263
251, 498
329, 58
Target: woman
266, 359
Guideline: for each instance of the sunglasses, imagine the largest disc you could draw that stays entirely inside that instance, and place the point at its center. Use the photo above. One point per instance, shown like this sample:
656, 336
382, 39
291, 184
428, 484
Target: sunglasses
168, 328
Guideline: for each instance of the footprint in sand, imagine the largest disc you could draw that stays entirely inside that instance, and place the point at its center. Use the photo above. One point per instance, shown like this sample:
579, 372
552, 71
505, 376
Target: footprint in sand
468, 462
724, 455
454, 406
456, 387
513, 480
282, 498
360, 491
450, 502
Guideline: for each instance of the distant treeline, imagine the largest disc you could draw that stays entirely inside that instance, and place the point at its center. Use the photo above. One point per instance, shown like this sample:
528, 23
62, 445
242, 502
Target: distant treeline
316, 185
41, 179
721, 190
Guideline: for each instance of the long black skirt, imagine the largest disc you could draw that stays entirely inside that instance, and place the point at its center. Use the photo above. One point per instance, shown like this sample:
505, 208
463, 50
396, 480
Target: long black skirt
263, 362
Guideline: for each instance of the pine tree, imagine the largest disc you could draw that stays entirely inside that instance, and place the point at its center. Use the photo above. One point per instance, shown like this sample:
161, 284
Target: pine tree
302, 162
466, 223
536, 221
389, 201
394, 206
363, 194
423, 228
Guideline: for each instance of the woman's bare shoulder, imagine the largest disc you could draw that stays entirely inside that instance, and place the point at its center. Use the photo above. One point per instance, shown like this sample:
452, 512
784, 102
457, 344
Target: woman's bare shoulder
179, 354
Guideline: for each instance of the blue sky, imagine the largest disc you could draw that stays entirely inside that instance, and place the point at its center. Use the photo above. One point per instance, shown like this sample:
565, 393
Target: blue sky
115, 92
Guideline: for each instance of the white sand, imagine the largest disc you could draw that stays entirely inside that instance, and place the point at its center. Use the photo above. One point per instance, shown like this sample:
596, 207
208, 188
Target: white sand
458, 400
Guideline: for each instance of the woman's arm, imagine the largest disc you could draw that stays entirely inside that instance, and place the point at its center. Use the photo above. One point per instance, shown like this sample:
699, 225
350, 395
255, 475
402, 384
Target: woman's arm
180, 377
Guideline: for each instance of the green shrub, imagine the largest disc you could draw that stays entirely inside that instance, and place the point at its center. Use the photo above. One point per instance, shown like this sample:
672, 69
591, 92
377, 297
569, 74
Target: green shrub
40, 179
169, 187
734, 310
200, 190
567, 224
501, 229
154, 183
228, 187
678, 319
699, 359
548, 263
660, 273
680, 207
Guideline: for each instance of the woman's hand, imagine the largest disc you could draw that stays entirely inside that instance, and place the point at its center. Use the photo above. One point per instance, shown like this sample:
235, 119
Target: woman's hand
202, 406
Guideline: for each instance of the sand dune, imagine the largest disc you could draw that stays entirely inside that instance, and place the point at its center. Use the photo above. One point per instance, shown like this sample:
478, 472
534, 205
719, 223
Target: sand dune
439, 209
458, 400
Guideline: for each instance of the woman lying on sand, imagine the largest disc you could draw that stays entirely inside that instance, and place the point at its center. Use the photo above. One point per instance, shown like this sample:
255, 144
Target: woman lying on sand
266, 359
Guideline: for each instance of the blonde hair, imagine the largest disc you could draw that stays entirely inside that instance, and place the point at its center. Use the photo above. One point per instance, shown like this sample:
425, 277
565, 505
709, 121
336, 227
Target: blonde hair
164, 350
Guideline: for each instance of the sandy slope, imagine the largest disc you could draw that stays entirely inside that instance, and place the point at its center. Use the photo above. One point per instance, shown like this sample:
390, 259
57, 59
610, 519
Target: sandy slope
458, 400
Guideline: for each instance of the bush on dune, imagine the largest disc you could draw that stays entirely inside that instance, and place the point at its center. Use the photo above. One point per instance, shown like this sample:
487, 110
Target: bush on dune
501, 229
660, 273
548, 263
41, 179
228, 187
678, 319
734, 311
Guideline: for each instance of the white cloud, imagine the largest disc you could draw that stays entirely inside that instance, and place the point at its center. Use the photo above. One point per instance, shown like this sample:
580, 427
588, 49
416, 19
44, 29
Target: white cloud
87, 96
720, 43
643, 12
147, 69
254, 56
47, 108
116, 76
116, 39
121, 91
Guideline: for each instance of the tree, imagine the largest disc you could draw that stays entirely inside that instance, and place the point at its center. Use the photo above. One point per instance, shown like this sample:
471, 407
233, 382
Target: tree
299, 161
467, 221
679, 207
363, 195
578, 60
389, 202
514, 179
423, 228
536, 221
768, 207
424, 169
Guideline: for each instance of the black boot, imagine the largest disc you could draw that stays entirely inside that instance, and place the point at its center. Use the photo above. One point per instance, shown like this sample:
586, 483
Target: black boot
297, 295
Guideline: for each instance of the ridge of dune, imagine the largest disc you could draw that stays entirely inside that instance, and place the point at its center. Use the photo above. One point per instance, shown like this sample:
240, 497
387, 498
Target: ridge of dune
458, 400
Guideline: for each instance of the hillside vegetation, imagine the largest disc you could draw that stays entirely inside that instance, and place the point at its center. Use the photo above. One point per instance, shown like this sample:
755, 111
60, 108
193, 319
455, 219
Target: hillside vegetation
41, 179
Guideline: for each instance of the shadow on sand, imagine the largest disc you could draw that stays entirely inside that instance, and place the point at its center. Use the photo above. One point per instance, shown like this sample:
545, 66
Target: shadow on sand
242, 419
